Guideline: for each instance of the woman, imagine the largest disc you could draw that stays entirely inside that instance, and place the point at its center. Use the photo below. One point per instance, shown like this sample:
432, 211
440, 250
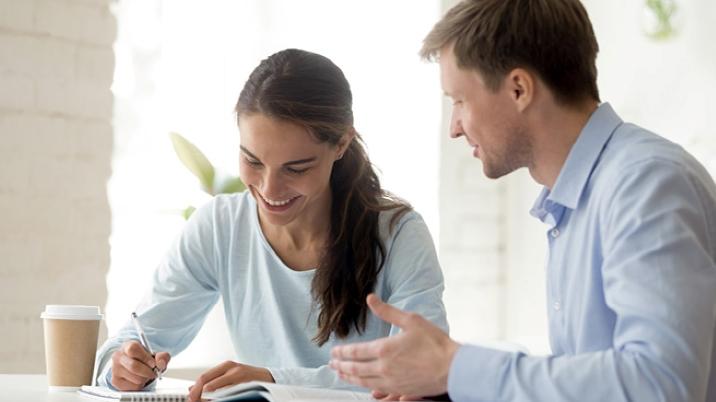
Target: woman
294, 256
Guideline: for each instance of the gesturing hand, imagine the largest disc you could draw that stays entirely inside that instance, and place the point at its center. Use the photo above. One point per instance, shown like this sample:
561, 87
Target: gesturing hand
414, 362
132, 366
227, 373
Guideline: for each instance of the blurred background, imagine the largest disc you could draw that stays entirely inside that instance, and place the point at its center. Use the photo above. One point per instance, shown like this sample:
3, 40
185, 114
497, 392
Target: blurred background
91, 189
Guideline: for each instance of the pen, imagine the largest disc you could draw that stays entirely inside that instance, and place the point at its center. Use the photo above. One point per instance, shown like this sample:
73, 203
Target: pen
145, 342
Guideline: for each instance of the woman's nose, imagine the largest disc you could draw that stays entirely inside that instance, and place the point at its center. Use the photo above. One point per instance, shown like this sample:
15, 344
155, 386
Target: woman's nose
272, 184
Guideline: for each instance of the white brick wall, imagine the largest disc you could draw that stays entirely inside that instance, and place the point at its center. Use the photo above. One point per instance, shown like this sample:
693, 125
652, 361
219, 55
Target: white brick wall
56, 67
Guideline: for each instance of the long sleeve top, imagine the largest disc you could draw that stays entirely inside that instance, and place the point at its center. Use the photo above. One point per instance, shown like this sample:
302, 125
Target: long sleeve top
271, 315
631, 279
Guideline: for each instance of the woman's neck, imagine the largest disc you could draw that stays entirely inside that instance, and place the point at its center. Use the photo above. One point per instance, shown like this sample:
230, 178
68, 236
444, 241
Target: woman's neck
307, 234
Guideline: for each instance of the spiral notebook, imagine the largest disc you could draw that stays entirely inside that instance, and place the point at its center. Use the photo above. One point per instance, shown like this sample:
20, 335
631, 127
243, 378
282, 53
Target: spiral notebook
161, 395
251, 391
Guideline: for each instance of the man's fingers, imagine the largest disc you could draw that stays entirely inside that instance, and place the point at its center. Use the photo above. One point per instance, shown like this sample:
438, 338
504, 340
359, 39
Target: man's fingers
375, 383
388, 313
363, 351
372, 368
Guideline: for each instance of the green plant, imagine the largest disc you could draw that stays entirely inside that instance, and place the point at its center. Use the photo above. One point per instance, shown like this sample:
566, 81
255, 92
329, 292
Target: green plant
663, 11
199, 165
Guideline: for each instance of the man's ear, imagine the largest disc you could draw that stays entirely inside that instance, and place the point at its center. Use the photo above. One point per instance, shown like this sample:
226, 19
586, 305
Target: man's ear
521, 84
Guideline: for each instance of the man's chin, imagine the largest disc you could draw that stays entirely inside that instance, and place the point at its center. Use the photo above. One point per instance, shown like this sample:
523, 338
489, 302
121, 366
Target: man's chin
492, 172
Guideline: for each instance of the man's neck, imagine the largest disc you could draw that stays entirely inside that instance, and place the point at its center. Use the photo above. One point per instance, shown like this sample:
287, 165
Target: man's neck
556, 129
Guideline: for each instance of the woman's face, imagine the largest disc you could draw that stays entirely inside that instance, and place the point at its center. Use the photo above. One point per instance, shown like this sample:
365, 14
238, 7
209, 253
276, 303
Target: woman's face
286, 169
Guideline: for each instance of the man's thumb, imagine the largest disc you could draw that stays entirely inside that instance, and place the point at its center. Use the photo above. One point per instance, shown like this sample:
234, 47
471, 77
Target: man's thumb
387, 313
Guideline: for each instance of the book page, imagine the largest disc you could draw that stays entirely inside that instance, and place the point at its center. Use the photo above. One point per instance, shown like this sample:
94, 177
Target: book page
285, 393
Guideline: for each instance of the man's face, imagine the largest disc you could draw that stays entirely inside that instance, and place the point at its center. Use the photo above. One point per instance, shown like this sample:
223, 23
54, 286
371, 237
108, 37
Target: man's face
489, 120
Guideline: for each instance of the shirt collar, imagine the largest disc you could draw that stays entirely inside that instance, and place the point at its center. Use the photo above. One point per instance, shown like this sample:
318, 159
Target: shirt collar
583, 158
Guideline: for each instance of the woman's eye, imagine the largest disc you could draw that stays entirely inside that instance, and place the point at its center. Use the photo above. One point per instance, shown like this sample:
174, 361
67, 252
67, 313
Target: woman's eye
252, 162
296, 171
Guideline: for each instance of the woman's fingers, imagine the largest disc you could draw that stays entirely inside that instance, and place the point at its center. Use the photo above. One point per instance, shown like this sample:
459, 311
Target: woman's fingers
162, 359
222, 381
205, 378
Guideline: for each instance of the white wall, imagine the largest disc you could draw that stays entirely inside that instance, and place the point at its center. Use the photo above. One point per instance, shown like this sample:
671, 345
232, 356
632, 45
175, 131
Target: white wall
56, 66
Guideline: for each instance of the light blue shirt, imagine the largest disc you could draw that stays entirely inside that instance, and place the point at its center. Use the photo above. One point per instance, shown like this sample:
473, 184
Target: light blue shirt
271, 315
631, 279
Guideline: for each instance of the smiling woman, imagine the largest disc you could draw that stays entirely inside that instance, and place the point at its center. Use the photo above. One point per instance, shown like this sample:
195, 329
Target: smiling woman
171, 78
295, 255
297, 106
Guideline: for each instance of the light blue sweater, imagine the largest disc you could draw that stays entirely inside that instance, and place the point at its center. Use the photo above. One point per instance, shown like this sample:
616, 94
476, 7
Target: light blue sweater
270, 313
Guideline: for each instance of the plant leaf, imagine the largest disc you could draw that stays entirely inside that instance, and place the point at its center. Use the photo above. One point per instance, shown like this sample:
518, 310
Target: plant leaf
186, 213
194, 160
232, 184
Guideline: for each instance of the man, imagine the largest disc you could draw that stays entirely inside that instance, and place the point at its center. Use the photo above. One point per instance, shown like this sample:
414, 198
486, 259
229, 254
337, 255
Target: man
631, 274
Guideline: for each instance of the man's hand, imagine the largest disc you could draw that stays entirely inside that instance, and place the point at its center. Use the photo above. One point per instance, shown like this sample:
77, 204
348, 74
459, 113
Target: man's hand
414, 362
227, 373
133, 366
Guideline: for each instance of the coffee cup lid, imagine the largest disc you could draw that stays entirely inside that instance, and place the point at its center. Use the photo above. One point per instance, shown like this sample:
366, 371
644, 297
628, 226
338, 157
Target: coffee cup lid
70, 312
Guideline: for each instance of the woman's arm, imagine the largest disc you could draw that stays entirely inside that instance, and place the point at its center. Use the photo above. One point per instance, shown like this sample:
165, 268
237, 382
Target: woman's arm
184, 289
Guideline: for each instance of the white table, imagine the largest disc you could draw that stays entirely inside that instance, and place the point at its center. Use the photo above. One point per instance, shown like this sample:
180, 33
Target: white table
33, 388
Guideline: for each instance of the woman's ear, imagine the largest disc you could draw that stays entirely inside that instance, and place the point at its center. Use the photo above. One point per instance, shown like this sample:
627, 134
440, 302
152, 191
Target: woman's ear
345, 142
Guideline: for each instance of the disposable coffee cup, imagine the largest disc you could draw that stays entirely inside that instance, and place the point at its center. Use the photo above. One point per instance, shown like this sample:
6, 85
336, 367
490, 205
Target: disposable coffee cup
71, 334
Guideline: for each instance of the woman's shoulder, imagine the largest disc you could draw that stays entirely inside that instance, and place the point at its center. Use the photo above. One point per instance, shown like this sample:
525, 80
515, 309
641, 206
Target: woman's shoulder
227, 209
393, 222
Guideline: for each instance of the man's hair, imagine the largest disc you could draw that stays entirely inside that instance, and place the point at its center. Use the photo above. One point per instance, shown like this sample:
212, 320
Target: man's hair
551, 38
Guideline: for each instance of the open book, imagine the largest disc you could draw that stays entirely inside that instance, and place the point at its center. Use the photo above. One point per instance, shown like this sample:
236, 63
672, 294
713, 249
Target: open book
250, 391
270, 392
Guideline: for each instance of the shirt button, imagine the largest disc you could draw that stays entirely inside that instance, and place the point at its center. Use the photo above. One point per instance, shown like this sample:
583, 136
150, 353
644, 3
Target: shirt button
557, 306
554, 233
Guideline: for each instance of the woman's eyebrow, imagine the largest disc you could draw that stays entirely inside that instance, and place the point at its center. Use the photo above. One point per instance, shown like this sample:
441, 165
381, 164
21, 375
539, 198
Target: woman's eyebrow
294, 162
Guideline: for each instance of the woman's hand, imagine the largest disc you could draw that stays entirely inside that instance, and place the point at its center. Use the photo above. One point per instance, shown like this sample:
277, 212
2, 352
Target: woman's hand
394, 397
133, 366
227, 373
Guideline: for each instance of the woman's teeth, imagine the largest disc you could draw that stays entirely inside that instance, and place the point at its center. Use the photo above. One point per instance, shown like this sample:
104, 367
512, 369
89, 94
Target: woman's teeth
277, 203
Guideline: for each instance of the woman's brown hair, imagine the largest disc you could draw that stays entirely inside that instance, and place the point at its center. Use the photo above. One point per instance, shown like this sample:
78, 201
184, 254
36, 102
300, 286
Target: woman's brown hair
309, 90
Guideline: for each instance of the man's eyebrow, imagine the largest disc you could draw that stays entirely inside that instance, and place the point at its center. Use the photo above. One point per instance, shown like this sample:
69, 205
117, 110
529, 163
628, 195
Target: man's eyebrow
295, 162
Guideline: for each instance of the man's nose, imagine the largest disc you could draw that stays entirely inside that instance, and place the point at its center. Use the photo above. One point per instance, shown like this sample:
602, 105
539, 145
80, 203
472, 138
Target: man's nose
456, 130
